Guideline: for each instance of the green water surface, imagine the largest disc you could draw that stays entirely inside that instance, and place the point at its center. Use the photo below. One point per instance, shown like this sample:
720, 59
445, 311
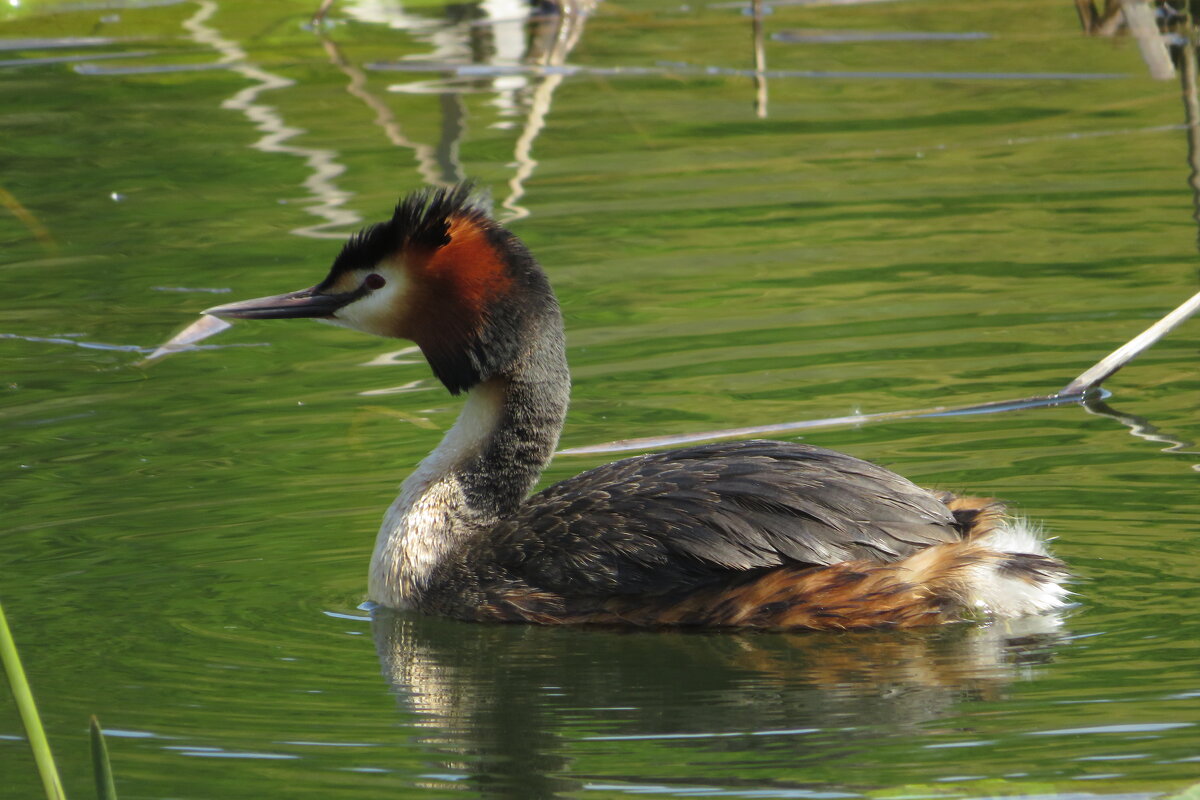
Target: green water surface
912, 224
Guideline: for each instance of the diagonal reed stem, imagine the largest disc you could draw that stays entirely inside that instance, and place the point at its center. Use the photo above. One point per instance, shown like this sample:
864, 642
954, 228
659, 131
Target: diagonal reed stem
28, 711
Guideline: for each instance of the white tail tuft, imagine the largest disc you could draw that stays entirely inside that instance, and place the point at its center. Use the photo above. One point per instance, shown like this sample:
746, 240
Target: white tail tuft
1021, 577
1016, 535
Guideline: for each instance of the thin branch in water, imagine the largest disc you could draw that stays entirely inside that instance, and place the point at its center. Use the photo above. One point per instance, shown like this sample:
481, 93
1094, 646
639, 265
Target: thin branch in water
1088, 383
1099, 372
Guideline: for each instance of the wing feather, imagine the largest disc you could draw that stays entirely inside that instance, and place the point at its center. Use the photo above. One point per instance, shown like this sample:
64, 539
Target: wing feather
679, 519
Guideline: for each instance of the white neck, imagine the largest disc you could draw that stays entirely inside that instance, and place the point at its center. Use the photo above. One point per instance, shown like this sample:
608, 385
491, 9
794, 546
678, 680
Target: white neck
427, 518
481, 472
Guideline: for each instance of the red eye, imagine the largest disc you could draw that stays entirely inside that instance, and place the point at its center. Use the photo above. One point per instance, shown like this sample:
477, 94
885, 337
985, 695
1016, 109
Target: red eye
375, 281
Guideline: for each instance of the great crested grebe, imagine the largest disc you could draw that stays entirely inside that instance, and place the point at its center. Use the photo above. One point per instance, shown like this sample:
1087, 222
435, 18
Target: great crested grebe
753, 533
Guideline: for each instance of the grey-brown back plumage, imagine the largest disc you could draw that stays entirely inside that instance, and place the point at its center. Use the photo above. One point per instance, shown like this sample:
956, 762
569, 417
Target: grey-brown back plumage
673, 521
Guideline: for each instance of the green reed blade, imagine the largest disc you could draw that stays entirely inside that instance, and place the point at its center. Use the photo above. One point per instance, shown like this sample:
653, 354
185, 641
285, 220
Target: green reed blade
105, 788
1190, 793
29, 715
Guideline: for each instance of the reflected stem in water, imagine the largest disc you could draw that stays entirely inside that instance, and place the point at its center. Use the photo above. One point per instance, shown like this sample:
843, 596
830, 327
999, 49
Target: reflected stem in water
1140, 427
1191, 107
427, 162
27, 218
556, 37
760, 60
454, 128
325, 200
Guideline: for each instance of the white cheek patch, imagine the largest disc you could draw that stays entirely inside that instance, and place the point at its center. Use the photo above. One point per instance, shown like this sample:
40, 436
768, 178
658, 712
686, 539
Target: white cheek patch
376, 311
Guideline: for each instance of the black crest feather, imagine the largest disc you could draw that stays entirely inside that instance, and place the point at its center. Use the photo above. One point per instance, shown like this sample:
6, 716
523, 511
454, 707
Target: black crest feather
462, 348
421, 219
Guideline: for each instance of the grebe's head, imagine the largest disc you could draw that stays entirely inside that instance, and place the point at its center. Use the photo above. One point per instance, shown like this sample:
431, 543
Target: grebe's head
442, 273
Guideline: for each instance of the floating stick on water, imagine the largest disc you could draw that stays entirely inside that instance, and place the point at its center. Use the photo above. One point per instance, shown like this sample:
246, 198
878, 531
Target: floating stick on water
1099, 372
1087, 383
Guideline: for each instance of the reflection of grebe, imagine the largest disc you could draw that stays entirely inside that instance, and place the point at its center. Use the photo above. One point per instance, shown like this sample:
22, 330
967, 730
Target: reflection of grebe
757, 533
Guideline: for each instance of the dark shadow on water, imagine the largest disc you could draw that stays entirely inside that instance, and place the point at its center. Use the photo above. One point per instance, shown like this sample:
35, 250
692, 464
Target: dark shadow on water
509, 710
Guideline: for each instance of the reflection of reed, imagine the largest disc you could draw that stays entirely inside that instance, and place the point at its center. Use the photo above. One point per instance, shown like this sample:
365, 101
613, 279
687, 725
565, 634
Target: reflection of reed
1140, 427
760, 60
28, 219
492, 698
1191, 107
1145, 22
427, 165
556, 37
276, 132
1099, 22
555, 33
